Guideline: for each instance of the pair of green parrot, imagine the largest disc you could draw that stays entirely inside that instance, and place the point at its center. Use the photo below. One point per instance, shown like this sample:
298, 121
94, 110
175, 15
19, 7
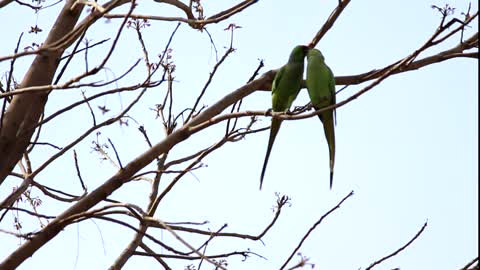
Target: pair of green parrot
321, 89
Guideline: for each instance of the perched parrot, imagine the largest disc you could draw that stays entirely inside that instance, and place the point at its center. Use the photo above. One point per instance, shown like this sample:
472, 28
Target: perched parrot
321, 89
285, 88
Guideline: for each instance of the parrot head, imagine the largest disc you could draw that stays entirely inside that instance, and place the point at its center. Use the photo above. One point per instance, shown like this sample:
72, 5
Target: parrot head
299, 53
315, 53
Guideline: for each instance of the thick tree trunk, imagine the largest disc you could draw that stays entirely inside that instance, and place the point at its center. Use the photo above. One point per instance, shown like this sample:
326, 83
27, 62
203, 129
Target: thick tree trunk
25, 109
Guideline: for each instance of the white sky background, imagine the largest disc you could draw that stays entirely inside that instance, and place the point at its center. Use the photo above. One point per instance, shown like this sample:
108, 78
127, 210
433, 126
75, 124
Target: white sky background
407, 148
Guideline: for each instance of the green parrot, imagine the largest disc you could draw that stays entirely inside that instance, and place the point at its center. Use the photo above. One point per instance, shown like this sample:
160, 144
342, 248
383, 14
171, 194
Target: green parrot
321, 89
285, 87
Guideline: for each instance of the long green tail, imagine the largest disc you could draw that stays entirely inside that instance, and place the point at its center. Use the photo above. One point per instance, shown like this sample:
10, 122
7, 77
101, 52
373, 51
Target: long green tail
274, 128
329, 129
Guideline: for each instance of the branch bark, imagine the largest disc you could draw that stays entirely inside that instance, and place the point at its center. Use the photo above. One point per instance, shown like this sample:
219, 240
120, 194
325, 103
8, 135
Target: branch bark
25, 110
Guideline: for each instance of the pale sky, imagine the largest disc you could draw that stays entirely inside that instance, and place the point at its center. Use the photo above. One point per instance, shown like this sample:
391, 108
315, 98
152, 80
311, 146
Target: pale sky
408, 148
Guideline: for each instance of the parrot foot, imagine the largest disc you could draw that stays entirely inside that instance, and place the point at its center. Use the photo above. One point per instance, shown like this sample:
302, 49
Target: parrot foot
297, 110
300, 109
268, 112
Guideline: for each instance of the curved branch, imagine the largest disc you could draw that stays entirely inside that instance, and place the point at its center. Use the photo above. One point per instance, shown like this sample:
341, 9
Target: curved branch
152, 222
191, 20
179, 5
400, 249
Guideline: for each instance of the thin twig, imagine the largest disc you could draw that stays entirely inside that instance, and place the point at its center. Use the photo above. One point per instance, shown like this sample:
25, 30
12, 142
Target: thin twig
210, 78
398, 250
313, 228
116, 154
77, 167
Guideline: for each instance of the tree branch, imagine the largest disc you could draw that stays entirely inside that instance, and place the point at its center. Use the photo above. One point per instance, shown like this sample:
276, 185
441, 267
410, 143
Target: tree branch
398, 250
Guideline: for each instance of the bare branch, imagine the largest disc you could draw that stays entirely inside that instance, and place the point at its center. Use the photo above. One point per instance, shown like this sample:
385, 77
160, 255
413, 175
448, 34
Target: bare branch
313, 228
281, 202
195, 23
215, 68
470, 264
28, 212
5, 3
398, 250
329, 23
14, 139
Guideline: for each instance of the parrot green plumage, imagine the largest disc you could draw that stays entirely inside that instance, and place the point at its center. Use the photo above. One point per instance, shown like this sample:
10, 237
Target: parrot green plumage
285, 87
321, 89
